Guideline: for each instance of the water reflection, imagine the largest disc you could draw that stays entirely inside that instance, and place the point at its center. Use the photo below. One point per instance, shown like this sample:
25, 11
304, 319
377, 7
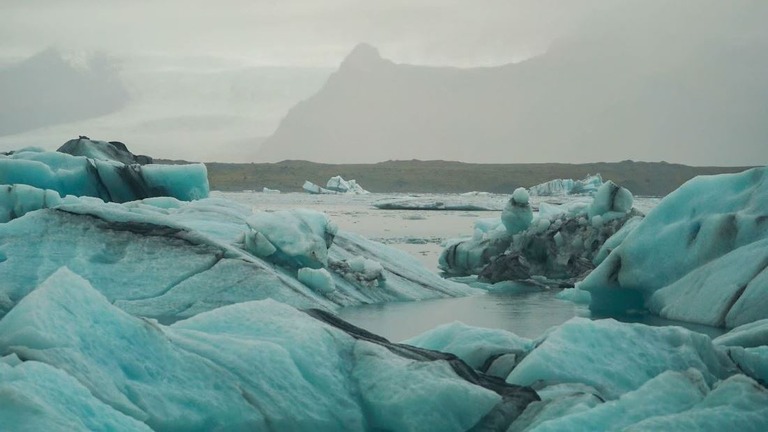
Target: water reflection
527, 314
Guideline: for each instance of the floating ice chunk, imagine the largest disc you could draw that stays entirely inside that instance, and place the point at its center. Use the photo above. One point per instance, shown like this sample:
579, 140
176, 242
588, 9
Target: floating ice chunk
589, 352
705, 219
317, 279
574, 295
477, 346
668, 393
717, 297
301, 237
517, 214
737, 403
338, 184
560, 187
106, 179
748, 335
611, 198
267, 190
312, 188
246, 366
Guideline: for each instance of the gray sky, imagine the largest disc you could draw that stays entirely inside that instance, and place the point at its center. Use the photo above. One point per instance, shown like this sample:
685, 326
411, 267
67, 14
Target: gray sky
195, 69
293, 32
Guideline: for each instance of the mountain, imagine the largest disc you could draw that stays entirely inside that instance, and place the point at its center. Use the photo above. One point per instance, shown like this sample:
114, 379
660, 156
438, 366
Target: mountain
649, 80
48, 89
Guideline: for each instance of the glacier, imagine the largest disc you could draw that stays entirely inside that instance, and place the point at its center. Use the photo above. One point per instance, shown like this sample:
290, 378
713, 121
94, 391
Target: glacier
699, 256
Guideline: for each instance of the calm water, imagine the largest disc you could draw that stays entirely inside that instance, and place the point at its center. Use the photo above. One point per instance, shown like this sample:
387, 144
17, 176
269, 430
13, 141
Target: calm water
421, 233
528, 314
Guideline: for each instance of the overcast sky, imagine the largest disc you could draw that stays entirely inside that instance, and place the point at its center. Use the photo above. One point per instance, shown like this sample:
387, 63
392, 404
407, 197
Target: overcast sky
196, 36
294, 32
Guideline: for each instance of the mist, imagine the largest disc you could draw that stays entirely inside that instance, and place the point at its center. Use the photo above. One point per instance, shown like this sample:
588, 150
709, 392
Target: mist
224, 81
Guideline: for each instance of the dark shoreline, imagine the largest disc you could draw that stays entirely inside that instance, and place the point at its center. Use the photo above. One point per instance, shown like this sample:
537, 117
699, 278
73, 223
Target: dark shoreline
642, 178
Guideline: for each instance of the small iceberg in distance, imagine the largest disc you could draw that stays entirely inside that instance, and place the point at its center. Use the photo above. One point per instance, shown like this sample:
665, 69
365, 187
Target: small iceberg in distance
561, 187
335, 185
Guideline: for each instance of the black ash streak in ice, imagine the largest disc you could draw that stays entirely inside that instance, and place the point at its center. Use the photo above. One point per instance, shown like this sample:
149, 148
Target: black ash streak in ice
514, 398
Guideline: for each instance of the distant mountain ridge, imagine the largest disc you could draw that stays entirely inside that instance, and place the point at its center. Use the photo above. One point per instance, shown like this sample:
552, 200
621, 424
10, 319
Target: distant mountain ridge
676, 77
48, 89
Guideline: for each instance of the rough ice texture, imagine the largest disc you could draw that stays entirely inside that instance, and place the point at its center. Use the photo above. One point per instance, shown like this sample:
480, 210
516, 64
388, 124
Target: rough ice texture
168, 259
103, 150
251, 366
557, 248
562, 187
338, 184
517, 214
699, 256
668, 393
748, 335
477, 346
107, 179
616, 358
300, 237
737, 403
37, 397
317, 279
444, 202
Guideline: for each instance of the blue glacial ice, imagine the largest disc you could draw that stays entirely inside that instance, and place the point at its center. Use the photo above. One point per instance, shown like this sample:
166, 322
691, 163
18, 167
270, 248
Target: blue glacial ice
250, 366
699, 256
93, 172
169, 259
160, 314
611, 376
480, 348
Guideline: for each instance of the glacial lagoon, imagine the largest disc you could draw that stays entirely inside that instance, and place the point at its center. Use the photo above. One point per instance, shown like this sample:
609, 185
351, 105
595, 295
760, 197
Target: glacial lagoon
526, 312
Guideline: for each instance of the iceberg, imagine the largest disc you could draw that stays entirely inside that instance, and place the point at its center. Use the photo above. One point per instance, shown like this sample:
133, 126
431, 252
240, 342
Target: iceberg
168, 259
588, 352
335, 185
338, 184
699, 256
612, 376
556, 247
561, 187
250, 366
103, 150
482, 349
460, 202
105, 176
